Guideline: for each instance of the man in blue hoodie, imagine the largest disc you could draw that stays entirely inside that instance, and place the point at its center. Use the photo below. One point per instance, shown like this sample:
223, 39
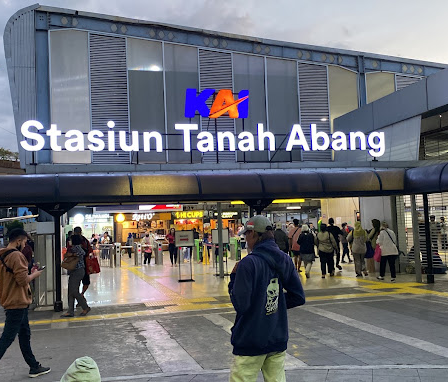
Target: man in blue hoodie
260, 333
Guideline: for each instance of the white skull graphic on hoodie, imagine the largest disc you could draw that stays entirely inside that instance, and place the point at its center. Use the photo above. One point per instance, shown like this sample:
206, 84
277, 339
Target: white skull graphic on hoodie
272, 292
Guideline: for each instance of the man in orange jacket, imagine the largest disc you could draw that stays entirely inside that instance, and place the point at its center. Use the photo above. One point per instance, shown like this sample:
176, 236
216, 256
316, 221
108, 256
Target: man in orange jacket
15, 297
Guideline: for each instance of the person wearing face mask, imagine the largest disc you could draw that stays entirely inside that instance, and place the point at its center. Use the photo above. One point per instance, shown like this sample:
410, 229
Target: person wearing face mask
15, 297
147, 241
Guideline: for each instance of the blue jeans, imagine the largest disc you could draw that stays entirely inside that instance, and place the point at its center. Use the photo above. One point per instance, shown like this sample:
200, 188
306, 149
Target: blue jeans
17, 323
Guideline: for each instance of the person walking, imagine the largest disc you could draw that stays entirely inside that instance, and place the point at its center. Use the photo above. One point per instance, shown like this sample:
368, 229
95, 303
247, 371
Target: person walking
358, 238
307, 254
87, 248
130, 243
389, 251
293, 235
257, 283
372, 237
346, 229
281, 238
206, 244
147, 251
74, 280
15, 297
326, 246
336, 232
171, 246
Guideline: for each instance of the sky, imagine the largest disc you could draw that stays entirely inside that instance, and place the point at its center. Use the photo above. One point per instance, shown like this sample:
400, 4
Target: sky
412, 29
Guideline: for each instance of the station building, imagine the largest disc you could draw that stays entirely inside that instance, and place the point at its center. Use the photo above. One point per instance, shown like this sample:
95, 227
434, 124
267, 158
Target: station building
117, 111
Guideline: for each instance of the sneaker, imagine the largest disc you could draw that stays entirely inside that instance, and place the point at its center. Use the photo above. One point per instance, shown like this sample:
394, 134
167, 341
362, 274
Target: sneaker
339, 267
380, 278
39, 370
392, 280
307, 275
331, 274
343, 262
323, 276
358, 275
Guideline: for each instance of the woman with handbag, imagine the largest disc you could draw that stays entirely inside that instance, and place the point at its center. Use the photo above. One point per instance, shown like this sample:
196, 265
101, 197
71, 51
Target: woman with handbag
75, 276
358, 238
326, 245
389, 251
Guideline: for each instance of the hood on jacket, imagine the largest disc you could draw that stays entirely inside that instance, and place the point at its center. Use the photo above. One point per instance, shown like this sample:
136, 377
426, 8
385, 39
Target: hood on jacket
358, 231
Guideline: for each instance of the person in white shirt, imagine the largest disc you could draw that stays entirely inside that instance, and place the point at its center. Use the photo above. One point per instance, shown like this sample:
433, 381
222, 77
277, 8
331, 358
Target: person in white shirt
389, 251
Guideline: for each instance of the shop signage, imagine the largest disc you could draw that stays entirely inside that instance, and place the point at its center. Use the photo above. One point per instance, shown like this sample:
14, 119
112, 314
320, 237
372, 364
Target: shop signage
223, 103
160, 207
96, 218
229, 214
138, 217
188, 214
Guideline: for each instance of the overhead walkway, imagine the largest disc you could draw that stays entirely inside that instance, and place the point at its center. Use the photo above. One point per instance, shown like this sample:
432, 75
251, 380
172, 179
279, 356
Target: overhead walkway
211, 186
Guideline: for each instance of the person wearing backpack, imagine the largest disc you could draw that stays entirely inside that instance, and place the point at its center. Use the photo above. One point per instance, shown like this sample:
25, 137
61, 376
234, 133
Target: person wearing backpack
281, 238
256, 288
306, 242
358, 238
326, 245
15, 297
389, 251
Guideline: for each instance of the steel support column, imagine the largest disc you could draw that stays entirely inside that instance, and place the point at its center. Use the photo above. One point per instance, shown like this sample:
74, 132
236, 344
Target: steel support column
220, 249
416, 235
429, 273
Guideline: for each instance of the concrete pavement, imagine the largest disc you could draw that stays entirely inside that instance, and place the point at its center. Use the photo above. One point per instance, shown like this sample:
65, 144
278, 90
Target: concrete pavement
349, 330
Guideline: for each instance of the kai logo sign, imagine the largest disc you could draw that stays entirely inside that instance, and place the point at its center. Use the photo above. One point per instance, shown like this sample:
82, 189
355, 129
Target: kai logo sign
223, 103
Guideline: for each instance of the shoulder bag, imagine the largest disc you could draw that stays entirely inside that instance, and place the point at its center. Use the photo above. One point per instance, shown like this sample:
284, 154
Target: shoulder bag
70, 261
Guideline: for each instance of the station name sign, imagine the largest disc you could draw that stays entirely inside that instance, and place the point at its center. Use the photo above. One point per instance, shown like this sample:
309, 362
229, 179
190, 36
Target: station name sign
245, 141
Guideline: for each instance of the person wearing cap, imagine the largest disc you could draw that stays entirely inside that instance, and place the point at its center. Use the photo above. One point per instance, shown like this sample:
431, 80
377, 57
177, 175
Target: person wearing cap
281, 238
257, 290
307, 254
15, 297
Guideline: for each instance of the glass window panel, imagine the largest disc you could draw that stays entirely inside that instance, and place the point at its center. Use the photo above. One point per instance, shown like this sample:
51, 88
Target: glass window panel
69, 92
343, 91
379, 85
248, 74
144, 55
283, 104
181, 73
146, 105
